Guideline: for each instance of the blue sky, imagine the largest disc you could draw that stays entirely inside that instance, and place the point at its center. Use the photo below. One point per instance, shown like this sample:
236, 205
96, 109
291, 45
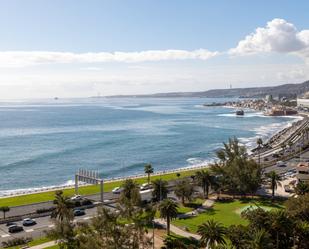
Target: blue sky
216, 27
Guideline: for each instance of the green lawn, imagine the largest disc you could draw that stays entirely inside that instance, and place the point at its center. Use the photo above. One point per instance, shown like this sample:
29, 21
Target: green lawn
85, 190
34, 242
52, 247
227, 213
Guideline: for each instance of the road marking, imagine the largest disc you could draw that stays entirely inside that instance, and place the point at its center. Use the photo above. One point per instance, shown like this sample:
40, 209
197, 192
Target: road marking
29, 230
5, 235
51, 226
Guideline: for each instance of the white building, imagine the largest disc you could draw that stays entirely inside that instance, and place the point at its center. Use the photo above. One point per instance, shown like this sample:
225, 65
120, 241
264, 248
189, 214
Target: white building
303, 103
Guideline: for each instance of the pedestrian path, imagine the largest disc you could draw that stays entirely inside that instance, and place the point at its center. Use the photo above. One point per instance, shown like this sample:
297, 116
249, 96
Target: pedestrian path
177, 230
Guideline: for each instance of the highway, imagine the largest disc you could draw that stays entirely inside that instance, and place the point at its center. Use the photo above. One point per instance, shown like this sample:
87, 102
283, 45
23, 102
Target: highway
45, 223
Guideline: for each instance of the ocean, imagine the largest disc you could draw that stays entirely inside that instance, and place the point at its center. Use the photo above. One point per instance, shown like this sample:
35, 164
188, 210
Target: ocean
43, 142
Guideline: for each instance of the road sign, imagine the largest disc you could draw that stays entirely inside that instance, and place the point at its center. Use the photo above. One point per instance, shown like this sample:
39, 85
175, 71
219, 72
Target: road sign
90, 177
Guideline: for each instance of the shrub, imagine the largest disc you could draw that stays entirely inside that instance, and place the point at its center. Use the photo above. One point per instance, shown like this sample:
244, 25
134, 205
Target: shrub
16, 242
45, 210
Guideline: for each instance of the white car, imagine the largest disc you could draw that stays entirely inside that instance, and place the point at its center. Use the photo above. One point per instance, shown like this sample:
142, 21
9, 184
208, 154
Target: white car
117, 190
145, 186
76, 198
280, 164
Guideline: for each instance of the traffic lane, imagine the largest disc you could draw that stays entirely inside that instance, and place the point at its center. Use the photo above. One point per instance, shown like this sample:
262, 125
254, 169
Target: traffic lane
38, 230
32, 208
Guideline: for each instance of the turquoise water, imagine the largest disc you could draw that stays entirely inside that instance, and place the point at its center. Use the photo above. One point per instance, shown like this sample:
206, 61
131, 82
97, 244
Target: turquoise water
42, 143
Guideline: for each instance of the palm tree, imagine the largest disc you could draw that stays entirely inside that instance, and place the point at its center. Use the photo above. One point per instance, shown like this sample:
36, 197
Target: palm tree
212, 234
205, 180
301, 188
130, 196
168, 211
274, 181
260, 239
4, 209
160, 189
63, 209
148, 170
184, 190
259, 142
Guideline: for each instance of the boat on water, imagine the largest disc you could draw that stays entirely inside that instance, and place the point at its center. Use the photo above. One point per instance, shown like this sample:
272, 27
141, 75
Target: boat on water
240, 112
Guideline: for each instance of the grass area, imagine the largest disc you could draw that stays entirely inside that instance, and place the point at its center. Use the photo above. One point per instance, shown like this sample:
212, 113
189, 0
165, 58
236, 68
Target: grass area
34, 242
226, 212
84, 190
53, 247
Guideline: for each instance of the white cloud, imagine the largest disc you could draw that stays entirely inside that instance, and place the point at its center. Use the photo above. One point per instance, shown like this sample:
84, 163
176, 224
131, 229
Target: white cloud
278, 36
28, 58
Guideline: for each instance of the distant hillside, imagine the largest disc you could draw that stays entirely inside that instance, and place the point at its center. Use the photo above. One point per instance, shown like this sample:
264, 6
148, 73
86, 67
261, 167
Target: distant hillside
285, 90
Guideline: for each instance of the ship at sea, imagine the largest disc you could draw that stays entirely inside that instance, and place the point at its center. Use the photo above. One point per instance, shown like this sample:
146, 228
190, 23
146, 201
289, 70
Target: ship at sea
240, 112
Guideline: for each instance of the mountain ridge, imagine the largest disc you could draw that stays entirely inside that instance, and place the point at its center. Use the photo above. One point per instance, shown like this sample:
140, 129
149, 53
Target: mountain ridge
249, 92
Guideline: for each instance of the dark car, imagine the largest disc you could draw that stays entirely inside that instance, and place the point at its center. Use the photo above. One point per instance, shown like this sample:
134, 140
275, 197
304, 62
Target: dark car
15, 229
79, 212
29, 222
10, 224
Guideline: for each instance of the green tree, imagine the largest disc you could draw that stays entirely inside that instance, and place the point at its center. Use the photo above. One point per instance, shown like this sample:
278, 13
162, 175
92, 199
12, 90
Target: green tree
4, 209
168, 211
184, 190
212, 234
204, 179
64, 231
274, 181
260, 239
63, 209
238, 235
298, 207
130, 197
281, 228
301, 188
234, 171
148, 170
160, 189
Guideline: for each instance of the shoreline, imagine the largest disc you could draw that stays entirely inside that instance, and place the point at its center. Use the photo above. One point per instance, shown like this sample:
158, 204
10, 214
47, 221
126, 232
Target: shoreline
22, 192
109, 180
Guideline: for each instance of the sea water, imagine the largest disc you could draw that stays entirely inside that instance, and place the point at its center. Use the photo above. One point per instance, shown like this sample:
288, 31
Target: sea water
44, 142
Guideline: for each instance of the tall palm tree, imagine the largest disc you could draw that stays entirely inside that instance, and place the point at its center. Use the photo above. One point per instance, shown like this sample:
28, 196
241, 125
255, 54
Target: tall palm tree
184, 190
4, 209
148, 170
212, 234
130, 196
160, 189
63, 209
204, 179
274, 181
168, 211
259, 142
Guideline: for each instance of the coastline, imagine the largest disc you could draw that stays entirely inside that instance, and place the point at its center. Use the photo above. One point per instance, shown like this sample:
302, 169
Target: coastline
108, 180
70, 185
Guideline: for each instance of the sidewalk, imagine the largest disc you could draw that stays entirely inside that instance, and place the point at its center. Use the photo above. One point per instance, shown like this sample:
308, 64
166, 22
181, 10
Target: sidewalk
177, 230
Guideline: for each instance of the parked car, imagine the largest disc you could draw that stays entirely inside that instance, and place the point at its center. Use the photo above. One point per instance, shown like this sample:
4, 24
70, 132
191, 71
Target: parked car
145, 186
117, 190
79, 212
280, 164
29, 222
76, 198
15, 229
10, 224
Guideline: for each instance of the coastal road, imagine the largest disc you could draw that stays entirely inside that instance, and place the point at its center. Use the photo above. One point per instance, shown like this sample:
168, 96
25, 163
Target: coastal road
45, 223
